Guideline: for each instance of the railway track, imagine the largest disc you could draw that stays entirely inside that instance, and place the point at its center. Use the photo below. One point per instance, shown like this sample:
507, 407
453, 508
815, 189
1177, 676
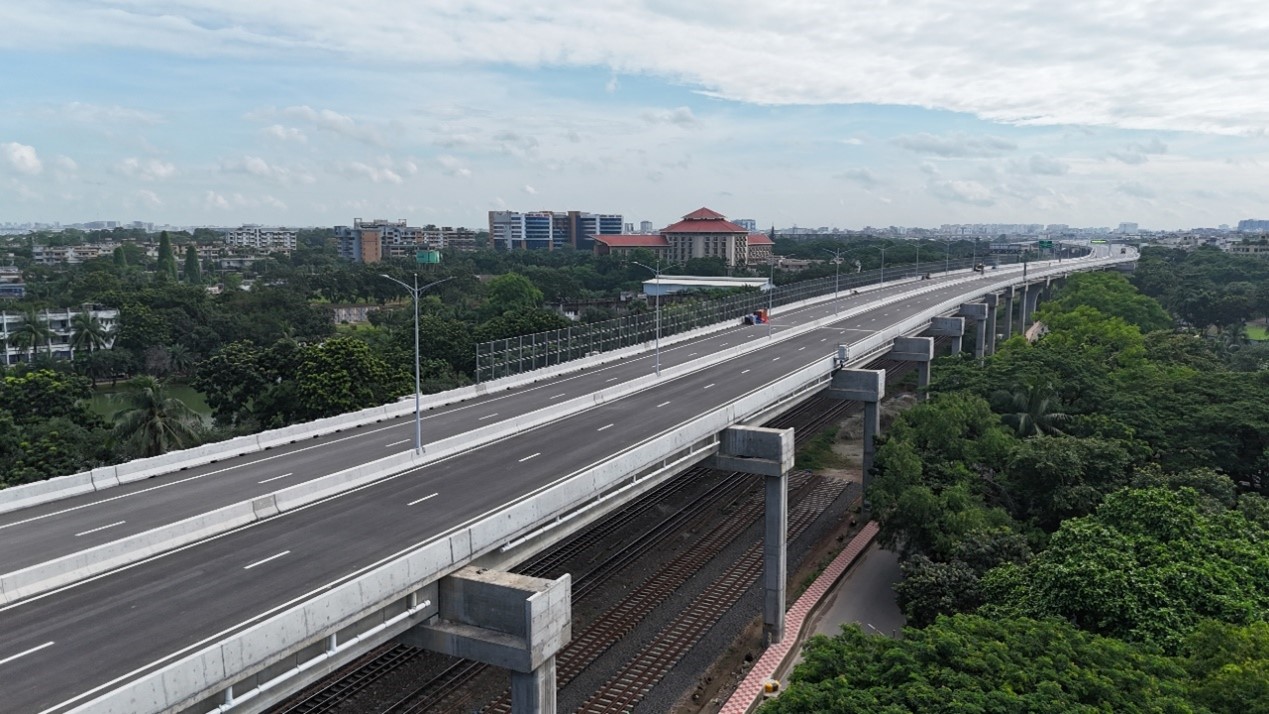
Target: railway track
444, 690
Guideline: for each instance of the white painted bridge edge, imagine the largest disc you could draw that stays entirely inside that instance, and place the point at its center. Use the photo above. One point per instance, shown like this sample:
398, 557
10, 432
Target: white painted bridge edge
207, 667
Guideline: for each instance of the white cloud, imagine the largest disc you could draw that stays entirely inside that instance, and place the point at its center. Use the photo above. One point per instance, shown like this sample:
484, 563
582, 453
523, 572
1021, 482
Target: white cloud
256, 166
146, 169
971, 192
357, 169
65, 164
212, 199
861, 176
336, 123
451, 166
148, 198
955, 145
1139, 153
529, 190
102, 114
1047, 166
679, 116
285, 133
1136, 189
21, 158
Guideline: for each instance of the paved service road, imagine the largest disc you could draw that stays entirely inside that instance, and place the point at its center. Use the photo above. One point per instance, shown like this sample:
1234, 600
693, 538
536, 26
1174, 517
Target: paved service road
61, 648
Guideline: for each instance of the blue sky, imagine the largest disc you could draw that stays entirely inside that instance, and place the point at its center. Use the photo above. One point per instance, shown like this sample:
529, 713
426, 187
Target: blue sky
846, 113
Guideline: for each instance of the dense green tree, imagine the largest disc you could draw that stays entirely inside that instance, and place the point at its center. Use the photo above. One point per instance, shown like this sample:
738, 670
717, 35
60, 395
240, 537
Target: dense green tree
1147, 566
511, 291
193, 271
153, 422
230, 380
32, 333
166, 267
973, 665
1111, 294
1230, 667
1032, 410
343, 375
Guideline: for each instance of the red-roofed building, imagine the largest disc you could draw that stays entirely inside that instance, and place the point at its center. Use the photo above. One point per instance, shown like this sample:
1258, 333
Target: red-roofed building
701, 234
625, 244
760, 247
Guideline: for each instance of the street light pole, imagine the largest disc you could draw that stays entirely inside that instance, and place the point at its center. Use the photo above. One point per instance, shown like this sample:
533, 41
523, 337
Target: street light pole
656, 301
415, 292
770, 297
837, 274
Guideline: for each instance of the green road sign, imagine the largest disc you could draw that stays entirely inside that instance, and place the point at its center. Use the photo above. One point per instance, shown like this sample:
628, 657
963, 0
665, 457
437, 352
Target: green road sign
428, 256
1046, 244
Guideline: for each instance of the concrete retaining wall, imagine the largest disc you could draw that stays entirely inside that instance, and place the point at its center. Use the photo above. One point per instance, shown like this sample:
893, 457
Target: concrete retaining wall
206, 668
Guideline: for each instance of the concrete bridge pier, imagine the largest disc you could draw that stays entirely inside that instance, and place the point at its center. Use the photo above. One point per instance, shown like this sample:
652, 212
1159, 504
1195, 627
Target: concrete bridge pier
1009, 312
977, 311
867, 386
953, 327
768, 453
1030, 299
511, 621
993, 301
915, 349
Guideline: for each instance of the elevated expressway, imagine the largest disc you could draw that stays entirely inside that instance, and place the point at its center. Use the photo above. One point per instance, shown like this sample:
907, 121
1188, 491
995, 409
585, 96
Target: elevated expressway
237, 620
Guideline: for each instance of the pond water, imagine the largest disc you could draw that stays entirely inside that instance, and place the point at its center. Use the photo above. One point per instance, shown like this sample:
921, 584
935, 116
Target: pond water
103, 401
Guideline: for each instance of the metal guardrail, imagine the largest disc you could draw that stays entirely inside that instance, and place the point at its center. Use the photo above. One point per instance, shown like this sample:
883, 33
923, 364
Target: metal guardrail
500, 358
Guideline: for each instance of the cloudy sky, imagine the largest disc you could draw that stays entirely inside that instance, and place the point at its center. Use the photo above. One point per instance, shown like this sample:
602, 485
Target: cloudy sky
837, 112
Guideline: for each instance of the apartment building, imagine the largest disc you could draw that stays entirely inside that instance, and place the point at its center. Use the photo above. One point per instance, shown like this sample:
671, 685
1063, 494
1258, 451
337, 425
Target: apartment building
68, 254
60, 324
262, 239
550, 230
373, 241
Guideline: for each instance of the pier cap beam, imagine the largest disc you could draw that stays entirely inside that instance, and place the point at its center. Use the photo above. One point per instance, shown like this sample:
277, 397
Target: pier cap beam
858, 385
912, 349
947, 327
755, 450
503, 619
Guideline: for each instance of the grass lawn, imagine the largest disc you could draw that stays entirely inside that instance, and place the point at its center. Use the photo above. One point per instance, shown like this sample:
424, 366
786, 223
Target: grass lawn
1257, 332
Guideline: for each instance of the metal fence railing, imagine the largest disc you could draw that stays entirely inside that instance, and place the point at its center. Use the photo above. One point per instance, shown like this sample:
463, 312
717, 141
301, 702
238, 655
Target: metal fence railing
513, 355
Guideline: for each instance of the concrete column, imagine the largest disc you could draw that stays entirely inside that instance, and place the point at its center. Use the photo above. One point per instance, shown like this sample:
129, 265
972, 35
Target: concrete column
993, 301
977, 311
768, 453
534, 691
953, 327
1029, 304
505, 620
1009, 313
1022, 310
867, 386
915, 349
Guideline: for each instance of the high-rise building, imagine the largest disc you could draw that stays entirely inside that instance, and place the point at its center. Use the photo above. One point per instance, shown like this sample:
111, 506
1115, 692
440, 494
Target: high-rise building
1127, 228
645, 226
1252, 225
550, 230
748, 224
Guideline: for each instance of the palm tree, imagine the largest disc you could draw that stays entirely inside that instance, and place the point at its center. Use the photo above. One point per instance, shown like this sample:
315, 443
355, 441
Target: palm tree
180, 358
88, 332
1032, 410
154, 423
27, 336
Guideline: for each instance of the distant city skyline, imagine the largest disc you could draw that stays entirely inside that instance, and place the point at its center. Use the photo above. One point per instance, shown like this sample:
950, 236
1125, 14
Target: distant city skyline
855, 114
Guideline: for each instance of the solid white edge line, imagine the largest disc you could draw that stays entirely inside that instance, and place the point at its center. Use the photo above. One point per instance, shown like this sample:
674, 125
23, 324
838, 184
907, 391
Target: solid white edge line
262, 562
37, 648
411, 503
275, 478
531, 456
100, 528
